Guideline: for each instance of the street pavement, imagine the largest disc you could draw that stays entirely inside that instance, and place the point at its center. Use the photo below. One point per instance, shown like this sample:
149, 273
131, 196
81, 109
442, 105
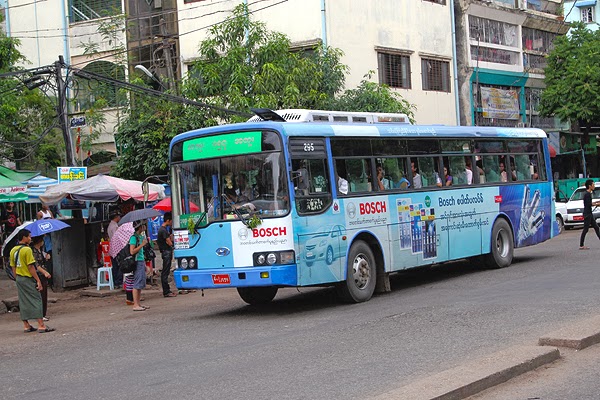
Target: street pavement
305, 344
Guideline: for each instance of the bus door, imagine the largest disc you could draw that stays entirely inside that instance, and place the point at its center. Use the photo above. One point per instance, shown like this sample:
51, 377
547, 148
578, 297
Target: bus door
318, 228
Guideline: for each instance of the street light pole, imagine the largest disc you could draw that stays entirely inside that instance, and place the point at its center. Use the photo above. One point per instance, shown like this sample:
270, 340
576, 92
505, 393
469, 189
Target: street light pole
62, 110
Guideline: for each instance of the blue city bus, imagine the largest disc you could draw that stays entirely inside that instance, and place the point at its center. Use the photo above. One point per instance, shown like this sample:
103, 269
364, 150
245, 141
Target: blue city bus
316, 198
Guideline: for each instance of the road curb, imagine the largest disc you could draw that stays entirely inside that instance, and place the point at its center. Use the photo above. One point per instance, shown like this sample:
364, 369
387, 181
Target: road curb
576, 336
469, 379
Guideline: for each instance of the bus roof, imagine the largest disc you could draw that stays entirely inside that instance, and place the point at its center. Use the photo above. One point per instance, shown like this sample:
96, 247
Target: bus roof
368, 130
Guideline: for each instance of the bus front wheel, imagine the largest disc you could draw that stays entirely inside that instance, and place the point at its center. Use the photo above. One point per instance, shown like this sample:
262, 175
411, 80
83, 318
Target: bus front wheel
257, 295
360, 274
502, 246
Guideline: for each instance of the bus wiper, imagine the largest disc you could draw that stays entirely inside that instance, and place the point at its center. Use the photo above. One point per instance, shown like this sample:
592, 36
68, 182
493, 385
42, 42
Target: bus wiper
235, 210
203, 214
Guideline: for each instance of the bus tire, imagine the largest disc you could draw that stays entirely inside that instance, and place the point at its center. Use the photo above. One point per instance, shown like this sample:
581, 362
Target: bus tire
361, 274
502, 246
257, 295
329, 256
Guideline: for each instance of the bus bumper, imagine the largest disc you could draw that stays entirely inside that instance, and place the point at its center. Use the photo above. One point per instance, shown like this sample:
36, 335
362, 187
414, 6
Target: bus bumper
280, 275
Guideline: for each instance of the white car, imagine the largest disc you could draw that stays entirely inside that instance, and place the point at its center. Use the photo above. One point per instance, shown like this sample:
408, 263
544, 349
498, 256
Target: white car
561, 214
574, 216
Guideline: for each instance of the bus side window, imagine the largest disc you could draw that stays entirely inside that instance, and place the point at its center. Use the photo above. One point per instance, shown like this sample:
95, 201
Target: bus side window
523, 170
311, 185
359, 174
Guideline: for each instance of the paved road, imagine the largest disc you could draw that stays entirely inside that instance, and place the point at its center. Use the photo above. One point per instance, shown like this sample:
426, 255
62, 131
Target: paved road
305, 345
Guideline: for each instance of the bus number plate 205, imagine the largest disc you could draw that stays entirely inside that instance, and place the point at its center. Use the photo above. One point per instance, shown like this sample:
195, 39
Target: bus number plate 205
221, 279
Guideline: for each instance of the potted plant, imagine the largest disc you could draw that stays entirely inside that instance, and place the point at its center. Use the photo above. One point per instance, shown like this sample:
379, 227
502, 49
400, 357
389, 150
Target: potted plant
560, 12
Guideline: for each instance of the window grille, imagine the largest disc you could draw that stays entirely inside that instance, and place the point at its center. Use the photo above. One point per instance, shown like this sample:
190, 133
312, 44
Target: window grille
85, 10
436, 75
587, 14
499, 56
536, 40
394, 70
534, 61
494, 32
89, 91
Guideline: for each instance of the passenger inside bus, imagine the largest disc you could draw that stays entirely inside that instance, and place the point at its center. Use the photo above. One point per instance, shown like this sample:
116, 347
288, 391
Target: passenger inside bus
399, 181
448, 180
382, 182
416, 177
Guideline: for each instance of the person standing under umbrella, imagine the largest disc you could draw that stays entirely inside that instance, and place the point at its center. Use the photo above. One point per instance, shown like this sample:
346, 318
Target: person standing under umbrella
45, 213
29, 285
136, 248
41, 258
165, 245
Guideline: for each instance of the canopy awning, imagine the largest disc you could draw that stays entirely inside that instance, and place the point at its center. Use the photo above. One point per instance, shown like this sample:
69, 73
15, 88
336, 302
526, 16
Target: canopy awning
11, 190
37, 186
101, 188
585, 3
17, 176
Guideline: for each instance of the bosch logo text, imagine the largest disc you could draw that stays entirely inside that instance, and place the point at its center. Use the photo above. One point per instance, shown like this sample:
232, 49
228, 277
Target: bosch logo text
268, 232
374, 207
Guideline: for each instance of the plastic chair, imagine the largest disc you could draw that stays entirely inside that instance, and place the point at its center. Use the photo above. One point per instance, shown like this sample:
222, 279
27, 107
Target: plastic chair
101, 281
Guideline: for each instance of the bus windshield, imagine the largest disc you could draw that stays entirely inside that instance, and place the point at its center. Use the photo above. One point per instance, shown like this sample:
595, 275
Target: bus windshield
233, 187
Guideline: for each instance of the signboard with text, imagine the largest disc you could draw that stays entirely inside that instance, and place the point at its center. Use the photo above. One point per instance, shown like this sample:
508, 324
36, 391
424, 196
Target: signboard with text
70, 174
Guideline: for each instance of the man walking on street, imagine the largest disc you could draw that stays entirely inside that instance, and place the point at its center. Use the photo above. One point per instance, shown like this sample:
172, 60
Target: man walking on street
165, 245
588, 216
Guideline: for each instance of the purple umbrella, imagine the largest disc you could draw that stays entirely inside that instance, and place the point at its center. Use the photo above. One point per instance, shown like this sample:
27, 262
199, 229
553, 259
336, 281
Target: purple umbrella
120, 238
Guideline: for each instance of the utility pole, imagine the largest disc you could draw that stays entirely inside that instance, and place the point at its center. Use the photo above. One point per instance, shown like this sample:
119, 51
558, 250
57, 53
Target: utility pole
61, 110
166, 46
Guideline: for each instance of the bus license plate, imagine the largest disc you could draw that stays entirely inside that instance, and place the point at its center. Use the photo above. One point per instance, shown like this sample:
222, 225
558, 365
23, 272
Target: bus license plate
221, 279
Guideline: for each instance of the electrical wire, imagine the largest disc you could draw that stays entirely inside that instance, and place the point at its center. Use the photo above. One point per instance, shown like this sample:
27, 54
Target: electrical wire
23, 5
128, 19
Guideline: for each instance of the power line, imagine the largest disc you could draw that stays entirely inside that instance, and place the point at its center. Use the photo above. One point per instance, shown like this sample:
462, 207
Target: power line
179, 35
22, 5
128, 19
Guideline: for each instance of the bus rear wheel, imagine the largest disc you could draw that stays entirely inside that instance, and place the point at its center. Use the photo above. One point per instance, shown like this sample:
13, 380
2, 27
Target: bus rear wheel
257, 295
502, 246
360, 274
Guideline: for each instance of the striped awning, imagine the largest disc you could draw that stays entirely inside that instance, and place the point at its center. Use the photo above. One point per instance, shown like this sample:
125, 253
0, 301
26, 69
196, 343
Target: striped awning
37, 186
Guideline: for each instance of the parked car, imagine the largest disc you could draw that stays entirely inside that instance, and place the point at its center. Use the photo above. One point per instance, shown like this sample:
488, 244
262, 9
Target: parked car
561, 214
575, 208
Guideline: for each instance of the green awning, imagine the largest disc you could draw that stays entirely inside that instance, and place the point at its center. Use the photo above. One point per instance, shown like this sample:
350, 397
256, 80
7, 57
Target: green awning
11, 190
18, 176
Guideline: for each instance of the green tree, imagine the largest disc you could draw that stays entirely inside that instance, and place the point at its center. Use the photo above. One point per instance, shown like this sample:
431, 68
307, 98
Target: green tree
242, 65
27, 116
573, 78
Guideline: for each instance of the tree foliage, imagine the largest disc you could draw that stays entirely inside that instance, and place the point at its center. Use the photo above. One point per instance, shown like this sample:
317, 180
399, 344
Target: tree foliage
27, 117
573, 78
242, 65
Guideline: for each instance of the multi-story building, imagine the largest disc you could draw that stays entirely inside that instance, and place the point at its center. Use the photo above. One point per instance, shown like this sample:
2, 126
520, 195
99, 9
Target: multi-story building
459, 61
408, 43
501, 55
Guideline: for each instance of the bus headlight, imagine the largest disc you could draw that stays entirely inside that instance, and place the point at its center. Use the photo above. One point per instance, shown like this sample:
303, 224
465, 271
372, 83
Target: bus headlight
274, 257
286, 257
261, 259
183, 263
192, 263
271, 258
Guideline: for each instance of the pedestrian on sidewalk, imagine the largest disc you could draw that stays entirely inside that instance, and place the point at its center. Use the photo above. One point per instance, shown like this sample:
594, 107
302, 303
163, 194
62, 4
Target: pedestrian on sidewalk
136, 248
165, 245
29, 285
115, 217
588, 215
41, 257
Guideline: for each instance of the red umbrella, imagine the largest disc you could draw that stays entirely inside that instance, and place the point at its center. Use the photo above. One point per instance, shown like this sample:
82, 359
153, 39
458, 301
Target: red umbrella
165, 205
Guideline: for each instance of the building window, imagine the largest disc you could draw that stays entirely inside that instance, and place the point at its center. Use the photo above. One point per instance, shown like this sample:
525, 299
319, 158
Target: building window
436, 75
536, 40
587, 14
494, 32
91, 92
442, 2
85, 10
499, 56
394, 70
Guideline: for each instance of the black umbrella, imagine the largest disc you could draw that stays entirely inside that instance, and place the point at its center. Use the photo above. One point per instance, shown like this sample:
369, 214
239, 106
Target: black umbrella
137, 215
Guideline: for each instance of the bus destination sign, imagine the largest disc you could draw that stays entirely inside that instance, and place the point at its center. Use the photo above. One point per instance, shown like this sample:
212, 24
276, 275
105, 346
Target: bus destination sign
222, 145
